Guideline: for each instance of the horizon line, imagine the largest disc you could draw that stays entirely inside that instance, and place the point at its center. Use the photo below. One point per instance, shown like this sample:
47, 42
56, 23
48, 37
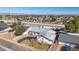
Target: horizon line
34, 14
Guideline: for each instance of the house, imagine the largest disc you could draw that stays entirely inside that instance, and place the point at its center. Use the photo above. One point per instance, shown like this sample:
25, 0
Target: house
48, 36
4, 27
71, 38
43, 34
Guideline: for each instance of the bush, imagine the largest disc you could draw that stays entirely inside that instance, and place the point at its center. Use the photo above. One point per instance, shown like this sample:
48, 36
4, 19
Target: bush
13, 25
73, 25
70, 27
1, 21
20, 29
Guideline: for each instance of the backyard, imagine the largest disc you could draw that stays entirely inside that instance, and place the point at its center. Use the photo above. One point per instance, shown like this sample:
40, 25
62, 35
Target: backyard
34, 43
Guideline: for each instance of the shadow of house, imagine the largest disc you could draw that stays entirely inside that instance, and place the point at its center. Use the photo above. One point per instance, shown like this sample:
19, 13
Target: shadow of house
65, 48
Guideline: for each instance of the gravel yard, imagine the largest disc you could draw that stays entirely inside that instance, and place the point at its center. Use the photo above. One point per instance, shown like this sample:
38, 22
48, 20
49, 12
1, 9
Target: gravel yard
34, 43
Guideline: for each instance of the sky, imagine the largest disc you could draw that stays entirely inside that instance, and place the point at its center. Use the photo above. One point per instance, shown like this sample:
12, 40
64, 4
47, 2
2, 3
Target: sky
41, 10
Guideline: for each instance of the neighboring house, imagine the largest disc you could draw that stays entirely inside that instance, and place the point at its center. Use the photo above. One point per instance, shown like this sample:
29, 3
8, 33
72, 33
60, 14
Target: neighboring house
71, 38
4, 27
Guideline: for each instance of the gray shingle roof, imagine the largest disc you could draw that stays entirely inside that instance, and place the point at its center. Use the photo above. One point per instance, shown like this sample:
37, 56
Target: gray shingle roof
3, 26
38, 30
67, 38
46, 33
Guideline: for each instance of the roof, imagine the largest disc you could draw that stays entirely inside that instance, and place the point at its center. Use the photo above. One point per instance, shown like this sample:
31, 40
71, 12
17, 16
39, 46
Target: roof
68, 38
46, 33
3, 26
38, 30
50, 35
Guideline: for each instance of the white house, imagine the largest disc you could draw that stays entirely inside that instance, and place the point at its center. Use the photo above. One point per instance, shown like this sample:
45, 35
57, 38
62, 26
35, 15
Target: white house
47, 35
43, 34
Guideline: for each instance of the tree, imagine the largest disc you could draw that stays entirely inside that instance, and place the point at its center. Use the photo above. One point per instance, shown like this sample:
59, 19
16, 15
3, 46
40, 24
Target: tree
0, 17
1, 21
13, 24
70, 27
53, 19
73, 25
20, 29
77, 24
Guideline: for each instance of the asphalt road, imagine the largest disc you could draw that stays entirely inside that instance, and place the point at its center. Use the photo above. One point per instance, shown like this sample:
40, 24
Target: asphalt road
35, 24
14, 46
